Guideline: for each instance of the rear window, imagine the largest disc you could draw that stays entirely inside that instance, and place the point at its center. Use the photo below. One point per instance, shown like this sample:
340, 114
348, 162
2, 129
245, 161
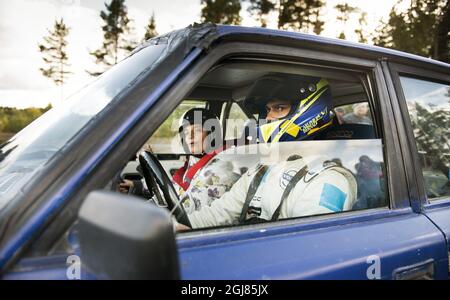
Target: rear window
429, 109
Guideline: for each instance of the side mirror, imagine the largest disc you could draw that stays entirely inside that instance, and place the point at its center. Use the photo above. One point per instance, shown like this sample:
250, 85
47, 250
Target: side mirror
122, 237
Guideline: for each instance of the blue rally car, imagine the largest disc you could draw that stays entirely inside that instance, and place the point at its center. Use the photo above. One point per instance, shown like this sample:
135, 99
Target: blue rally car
62, 215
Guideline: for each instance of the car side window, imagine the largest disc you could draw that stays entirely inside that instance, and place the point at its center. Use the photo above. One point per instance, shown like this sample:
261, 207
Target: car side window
294, 159
165, 139
429, 110
357, 113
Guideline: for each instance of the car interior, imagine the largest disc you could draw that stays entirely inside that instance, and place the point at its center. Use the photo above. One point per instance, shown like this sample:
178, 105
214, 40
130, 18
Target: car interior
222, 91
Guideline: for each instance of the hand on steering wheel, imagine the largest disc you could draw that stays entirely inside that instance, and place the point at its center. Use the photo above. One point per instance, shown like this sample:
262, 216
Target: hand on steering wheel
125, 186
157, 180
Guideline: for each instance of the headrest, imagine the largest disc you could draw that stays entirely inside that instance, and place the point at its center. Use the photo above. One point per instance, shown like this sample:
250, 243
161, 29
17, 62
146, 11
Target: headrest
347, 132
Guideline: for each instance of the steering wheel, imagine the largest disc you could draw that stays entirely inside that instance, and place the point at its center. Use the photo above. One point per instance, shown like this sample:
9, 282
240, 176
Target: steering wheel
157, 180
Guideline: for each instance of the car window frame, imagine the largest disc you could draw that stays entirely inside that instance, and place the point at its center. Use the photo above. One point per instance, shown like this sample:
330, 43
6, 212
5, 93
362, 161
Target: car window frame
114, 161
431, 74
372, 68
397, 204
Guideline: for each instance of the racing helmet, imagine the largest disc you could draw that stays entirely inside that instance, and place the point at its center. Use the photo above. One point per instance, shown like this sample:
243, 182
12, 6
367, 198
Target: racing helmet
209, 122
311, 106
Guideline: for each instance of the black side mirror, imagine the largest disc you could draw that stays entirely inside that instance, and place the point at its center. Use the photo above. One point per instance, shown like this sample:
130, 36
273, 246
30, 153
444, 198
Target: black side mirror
122, 237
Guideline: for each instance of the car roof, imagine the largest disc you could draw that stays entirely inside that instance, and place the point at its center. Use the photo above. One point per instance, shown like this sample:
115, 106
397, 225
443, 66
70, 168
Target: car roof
205, 35
236, 31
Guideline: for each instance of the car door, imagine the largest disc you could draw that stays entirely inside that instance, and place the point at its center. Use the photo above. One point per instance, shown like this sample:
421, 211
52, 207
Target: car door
395, 242
424, 96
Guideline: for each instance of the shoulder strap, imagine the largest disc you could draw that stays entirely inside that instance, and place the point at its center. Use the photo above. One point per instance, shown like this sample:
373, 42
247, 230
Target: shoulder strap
178, 177
256, 181
192, 171
299, 175
184, 175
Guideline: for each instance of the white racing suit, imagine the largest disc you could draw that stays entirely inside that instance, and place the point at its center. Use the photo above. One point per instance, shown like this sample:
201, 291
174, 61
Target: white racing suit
319, 190
208, 185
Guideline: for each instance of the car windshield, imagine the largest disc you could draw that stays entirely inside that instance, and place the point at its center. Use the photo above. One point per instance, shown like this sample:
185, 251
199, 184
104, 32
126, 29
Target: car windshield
32, 148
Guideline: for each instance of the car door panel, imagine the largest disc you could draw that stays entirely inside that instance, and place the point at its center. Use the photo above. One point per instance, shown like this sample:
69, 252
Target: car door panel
292, 252
439, 214
341, 251
41, 269
435, 205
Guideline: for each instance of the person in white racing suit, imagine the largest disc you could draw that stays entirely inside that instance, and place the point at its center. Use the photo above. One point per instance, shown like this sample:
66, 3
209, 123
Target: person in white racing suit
295, 108
201, 180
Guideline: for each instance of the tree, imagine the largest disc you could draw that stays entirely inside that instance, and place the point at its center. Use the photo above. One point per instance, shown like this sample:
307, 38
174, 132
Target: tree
261, 9
387, 30
221, 11
432, 135
422, 29
54, 53
442, 39
12, 120
360, 32
317, 22
3, 124
345, 11
150, 31
300, 15
116, 43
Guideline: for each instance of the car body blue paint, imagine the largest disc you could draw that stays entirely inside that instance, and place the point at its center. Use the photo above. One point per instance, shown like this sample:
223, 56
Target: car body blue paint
51, 267
42, 269
36, 221
48, 273
439, 213
247, 233
324, 253
277, 252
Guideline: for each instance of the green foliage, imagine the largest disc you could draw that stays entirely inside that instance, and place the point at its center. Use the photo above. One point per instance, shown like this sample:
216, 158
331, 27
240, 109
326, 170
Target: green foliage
432, 136
441, 47
298, 15
360, 31
301, 15
150, 30
261, 9
54, 54
345, 11
12, 120
170, 127
116, 29
422, 29
221, 11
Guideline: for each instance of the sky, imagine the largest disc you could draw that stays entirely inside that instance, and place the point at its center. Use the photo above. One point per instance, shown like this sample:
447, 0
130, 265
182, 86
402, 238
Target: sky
23, 24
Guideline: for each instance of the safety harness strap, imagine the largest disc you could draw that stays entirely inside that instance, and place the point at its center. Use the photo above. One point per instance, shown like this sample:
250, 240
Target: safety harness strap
287, 191
184, 175
256, 181
178, 177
